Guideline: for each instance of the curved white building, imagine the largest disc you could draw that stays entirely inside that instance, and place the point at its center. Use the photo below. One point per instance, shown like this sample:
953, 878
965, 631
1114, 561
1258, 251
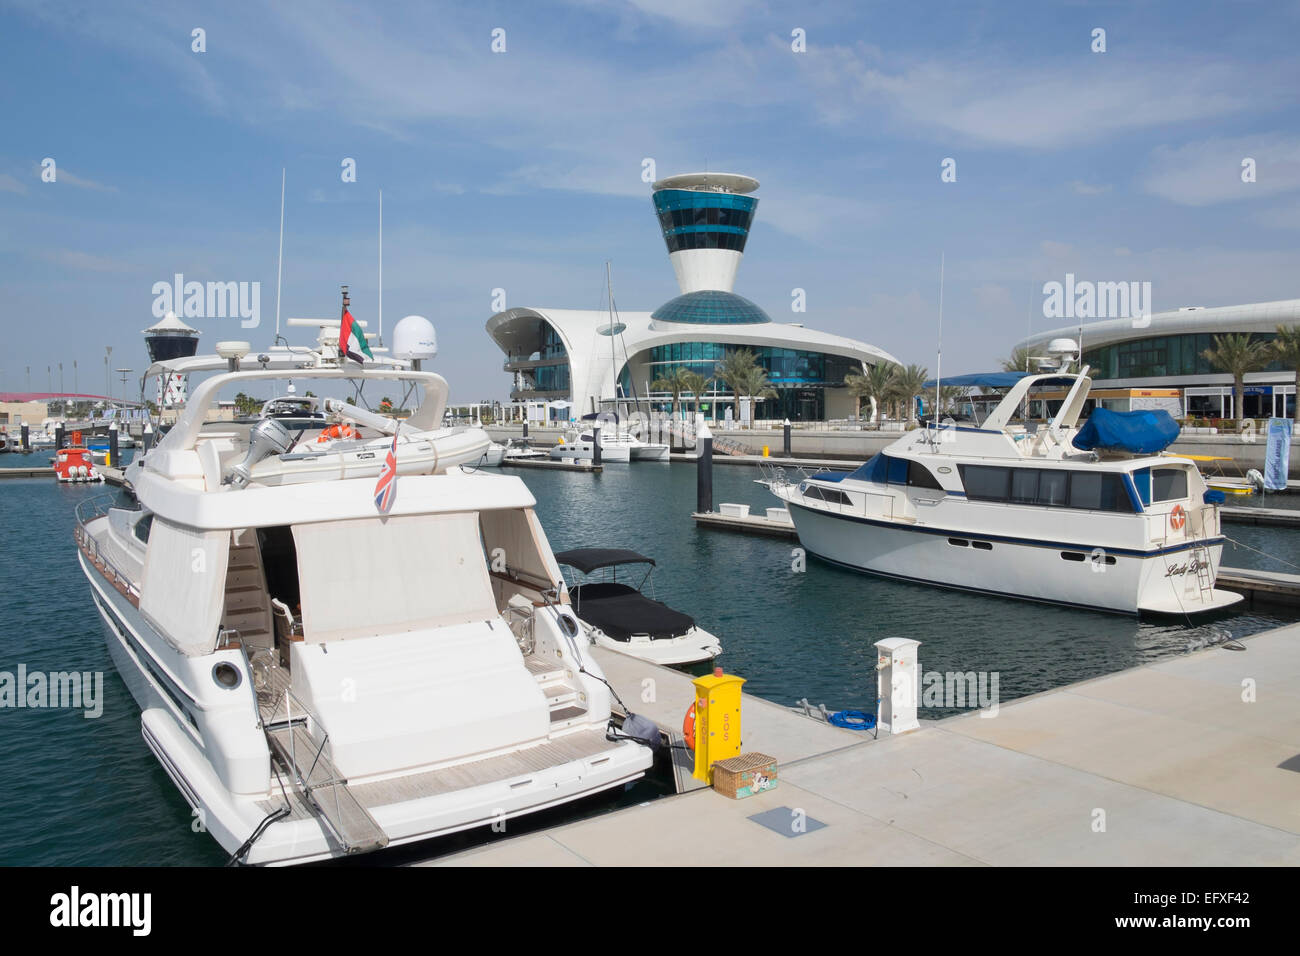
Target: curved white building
705, 218
1166, 352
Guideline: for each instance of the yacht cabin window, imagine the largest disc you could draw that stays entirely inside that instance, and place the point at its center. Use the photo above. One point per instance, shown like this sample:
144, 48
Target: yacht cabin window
1168, 484
1046, 487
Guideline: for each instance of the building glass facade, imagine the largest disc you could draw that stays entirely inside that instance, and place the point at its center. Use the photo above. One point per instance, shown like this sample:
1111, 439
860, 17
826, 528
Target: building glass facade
799, 377
1161, 355
710, 307
691, 219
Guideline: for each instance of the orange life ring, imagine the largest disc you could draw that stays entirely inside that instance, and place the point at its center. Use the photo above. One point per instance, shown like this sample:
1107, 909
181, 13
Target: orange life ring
1177, 517
338, 431
688, 726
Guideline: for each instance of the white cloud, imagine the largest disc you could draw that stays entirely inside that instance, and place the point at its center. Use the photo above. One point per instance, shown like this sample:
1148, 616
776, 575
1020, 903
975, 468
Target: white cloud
1209, 171
1041, 106
70, 179
1081, 188
10, 185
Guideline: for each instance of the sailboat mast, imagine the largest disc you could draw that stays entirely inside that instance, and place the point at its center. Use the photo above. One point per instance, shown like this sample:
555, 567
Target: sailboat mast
938, 372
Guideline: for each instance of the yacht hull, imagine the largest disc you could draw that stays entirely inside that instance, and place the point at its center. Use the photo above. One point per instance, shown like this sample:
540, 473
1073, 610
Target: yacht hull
1028, 571
648, 452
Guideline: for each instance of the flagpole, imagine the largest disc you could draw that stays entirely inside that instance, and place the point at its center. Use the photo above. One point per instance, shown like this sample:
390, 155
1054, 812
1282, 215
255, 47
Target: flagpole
381, 267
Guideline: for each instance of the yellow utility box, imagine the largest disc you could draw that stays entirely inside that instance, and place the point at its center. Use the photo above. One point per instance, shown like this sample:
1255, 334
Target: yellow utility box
717, 721
766, 451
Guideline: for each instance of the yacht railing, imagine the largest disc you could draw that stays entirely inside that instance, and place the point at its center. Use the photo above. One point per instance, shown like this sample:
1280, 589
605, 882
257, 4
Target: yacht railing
86, 512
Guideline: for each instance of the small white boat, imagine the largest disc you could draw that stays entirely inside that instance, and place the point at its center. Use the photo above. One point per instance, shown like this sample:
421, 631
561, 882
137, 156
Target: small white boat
518, 449
622, 618
579, 444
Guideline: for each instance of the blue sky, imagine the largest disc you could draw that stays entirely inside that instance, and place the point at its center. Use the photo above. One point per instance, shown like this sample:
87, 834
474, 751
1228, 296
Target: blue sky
522, 170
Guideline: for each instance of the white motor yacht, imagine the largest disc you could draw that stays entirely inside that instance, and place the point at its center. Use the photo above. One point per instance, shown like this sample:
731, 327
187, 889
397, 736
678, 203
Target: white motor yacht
518, 449
623, 618
319, 678
1091, 517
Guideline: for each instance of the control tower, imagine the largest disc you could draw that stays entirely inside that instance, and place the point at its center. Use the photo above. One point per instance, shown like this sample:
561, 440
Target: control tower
705, 221
167, 339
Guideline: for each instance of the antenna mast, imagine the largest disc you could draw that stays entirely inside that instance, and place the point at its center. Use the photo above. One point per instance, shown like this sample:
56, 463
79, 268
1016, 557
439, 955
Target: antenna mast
938, 372
279, 267
381, 267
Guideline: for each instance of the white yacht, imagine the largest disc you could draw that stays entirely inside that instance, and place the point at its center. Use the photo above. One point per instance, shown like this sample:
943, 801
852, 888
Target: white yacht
319, 678
618, 443
621, 617
1091, 517
518, 449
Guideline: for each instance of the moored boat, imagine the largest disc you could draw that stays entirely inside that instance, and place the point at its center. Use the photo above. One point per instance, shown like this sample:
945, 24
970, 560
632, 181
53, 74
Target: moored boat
1088, 516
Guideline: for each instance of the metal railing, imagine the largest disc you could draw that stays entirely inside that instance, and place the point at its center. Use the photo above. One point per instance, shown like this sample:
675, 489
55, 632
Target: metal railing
87, 511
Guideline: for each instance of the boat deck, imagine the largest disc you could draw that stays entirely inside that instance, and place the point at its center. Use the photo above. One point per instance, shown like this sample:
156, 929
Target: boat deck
578, 745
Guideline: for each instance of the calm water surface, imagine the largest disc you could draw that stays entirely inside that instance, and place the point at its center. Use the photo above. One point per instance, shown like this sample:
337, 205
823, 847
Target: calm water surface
79, 791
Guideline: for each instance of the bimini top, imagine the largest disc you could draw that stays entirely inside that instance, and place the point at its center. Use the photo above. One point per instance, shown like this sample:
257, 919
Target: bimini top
996, 380
710, 307
587, 560
1142, 432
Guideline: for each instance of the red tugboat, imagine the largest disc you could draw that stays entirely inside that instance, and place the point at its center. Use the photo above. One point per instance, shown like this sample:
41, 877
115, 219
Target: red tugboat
75, 464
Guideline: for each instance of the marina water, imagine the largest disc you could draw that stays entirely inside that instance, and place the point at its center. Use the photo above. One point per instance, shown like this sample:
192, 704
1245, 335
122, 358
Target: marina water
88, 791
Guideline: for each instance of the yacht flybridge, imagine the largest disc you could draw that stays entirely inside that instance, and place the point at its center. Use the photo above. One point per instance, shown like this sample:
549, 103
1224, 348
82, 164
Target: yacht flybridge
319, 678
1092, 517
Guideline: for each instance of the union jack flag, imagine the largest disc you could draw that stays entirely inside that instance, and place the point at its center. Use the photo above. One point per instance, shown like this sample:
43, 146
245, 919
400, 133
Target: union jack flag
386, 487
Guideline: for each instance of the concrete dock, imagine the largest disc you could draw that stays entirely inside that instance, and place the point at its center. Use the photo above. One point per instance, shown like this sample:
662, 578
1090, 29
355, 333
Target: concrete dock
1189, 761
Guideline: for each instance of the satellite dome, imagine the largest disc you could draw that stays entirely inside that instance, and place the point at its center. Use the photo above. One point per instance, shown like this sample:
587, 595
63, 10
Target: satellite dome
414, 339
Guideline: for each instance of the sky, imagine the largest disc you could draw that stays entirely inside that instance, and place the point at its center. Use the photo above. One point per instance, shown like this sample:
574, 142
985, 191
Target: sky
520, 169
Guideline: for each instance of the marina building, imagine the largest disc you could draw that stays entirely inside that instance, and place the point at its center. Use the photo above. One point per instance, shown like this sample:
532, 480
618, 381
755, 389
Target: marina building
1160, 362
594, 360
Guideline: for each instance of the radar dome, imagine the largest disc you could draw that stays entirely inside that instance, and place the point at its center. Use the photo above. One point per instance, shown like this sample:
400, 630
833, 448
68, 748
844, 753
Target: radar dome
414, 339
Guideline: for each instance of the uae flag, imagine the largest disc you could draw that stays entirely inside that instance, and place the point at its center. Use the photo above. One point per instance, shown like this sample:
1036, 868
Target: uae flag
350, 332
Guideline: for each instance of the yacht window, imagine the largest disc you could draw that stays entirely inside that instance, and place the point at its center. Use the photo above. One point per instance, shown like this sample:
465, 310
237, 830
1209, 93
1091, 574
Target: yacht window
1098, 491
918, 476
897, 471
142, 528
1168, 484
985, 483
1052, 486
1024, 486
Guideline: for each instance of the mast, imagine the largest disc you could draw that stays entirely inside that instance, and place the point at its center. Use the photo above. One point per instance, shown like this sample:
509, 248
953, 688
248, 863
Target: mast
279, 267
938, 372
381, 267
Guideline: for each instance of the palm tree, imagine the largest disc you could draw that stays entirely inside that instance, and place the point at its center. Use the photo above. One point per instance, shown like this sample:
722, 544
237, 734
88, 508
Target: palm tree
909, 383
1286, 350
875, 385
1237, 355
1018, 362
755, 386
697, 384
950, 395
673, 383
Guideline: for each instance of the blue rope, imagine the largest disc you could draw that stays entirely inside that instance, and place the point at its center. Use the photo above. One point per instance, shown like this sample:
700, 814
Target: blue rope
853, 719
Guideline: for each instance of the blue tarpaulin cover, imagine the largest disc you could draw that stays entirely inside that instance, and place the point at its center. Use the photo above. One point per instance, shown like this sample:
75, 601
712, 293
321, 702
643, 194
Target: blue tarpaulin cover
1139, 433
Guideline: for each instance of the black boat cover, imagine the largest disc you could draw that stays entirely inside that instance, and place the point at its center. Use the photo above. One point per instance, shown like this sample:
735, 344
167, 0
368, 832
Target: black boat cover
587, 560
621, 611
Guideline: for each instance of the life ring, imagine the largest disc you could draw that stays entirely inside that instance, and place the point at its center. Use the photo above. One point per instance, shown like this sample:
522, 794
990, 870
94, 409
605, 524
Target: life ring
688, 727
338, 431
1177, 517
76, 438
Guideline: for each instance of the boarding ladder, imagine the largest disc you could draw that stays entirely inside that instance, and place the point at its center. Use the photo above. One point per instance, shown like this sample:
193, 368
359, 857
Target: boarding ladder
323, 788
1199, 556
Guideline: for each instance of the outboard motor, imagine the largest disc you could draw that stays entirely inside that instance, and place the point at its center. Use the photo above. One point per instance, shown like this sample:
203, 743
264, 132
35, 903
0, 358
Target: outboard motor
268, 437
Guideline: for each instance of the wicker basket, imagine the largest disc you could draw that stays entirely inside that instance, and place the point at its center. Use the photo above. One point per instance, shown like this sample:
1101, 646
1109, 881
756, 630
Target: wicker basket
744, 776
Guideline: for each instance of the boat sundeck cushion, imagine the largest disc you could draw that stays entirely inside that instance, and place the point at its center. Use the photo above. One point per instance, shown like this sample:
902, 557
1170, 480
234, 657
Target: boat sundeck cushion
401, 701
621, 611
1138, 433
